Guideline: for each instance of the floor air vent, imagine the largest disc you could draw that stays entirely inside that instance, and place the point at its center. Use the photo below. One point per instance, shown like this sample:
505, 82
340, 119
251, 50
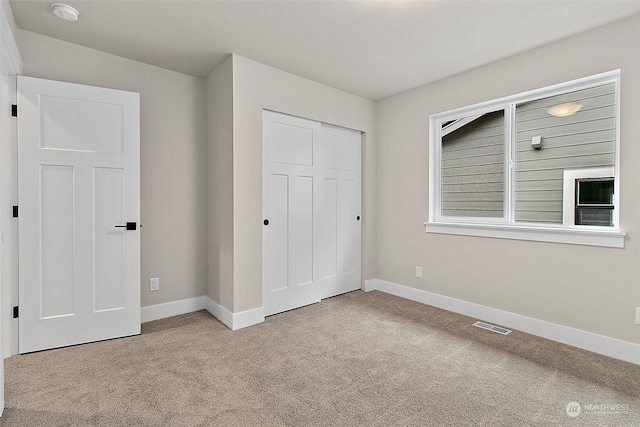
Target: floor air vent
492, 328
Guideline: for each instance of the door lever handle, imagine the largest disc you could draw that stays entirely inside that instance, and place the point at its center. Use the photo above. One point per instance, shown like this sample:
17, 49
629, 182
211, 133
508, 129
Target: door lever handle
129, 226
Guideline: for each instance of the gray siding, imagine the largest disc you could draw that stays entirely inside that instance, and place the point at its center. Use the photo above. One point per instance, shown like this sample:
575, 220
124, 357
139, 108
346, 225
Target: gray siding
584, 139
473, 168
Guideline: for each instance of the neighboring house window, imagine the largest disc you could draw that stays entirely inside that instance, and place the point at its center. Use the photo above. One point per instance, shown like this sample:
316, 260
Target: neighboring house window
504, 164
588, 197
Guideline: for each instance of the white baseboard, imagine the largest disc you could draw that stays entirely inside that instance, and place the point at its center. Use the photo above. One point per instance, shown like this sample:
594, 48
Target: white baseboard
219, 312
248, 318
234, 321
174, 308
601, 344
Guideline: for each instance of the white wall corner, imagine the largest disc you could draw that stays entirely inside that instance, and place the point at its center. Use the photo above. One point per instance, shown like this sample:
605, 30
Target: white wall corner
370, 285
234, 321
212, 307
173, 308
612, 347
248, 318
219, 312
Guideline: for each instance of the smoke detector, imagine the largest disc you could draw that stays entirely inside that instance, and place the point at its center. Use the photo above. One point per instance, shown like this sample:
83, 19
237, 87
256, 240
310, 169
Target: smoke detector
64, 11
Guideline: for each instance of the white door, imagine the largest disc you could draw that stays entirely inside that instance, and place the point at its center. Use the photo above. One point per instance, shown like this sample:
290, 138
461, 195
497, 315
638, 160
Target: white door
311, 206
291, 208
78, 186
341, 236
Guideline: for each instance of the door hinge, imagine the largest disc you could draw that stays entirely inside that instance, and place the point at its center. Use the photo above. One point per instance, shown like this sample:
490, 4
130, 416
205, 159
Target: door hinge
15, 211
15, 312
14, 110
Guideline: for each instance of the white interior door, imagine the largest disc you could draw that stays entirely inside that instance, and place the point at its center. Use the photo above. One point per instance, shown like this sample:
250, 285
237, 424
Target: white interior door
291, 208
341, 191
78, 183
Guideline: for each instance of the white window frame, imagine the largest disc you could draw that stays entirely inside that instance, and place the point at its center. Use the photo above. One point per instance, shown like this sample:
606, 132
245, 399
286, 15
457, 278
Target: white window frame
506, 227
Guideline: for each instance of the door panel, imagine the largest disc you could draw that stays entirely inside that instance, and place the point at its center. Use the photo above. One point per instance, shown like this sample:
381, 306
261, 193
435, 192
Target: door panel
349, 255
81, 125
339, 151
291, 143
78, 178
279, 226
56, 275
302, 239
330, 247
109, 241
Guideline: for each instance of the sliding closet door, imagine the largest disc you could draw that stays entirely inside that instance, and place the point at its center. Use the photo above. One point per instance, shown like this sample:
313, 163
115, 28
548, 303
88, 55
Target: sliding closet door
291, 212
311, 211
340, 240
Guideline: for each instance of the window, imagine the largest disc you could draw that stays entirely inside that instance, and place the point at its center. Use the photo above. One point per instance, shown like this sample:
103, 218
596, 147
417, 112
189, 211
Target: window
588, 197
473, 167
594, 204
542, 162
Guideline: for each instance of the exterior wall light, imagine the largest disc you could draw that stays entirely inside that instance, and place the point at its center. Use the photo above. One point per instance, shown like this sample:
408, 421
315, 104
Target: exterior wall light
564, 110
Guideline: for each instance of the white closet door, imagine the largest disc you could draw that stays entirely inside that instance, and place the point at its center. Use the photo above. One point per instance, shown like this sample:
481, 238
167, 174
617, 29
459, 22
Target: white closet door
291, 211
341, 237
311, 206
79, 198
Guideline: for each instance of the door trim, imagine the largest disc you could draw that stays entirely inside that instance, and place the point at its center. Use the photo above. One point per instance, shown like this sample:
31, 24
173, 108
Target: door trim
12, 62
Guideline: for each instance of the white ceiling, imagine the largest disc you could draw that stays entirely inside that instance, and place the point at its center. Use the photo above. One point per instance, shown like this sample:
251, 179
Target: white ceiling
370, 48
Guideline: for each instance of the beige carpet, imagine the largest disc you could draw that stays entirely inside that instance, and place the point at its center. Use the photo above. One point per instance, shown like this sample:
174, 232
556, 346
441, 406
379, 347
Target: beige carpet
361, 359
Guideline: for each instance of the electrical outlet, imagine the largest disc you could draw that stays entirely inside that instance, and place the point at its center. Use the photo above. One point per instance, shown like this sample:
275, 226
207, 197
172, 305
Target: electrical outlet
637, 315
419, 272
154, 284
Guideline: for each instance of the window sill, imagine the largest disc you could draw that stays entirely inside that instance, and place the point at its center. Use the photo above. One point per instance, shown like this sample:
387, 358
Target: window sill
590, 237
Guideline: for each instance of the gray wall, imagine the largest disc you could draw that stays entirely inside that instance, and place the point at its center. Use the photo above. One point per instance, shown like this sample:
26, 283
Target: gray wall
473, 168
220, 184
583, 140
173, 160
594, 289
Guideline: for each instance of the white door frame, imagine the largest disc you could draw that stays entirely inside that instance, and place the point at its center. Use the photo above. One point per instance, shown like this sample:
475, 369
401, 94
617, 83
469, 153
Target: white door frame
10, 66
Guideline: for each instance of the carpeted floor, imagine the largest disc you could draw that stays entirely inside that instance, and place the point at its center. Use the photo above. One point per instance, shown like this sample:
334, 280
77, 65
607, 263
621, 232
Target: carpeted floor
360, 359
